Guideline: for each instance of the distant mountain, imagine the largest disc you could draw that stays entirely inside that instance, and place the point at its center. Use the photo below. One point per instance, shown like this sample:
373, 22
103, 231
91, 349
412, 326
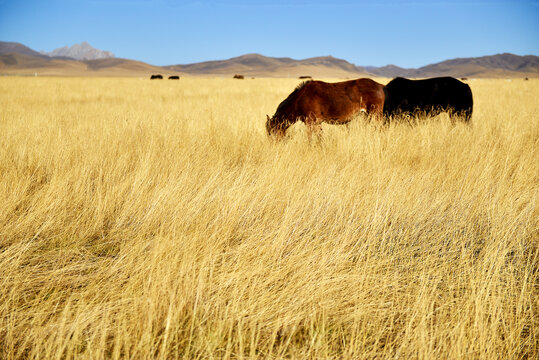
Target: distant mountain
82, 51
16, 58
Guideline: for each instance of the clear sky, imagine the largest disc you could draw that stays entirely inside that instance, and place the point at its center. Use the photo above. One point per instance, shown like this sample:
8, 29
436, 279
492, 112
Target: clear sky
163, 32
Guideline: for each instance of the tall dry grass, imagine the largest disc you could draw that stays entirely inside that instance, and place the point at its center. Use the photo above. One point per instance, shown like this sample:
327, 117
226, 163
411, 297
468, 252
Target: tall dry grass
154, 219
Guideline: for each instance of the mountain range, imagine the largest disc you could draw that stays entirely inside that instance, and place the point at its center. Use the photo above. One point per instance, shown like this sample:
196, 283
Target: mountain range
84, 60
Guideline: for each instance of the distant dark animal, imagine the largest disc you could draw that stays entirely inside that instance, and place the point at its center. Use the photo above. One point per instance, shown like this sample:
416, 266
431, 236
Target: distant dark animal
315, 102
464, 78
238, 76
305, 77
428, 97
525, 78
174, 77
158, 76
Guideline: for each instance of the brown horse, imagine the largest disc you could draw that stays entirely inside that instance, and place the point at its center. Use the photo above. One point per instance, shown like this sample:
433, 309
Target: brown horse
315, 102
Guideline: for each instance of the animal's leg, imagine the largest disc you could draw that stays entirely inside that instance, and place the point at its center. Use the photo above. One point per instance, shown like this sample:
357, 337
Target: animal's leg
468, 116
462, 115
376, 114
313, 127
452, 117
347, 124
455, 115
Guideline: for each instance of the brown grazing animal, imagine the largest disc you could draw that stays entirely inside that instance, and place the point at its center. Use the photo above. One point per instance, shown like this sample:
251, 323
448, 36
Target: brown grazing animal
305, 77
315, 102
238, 76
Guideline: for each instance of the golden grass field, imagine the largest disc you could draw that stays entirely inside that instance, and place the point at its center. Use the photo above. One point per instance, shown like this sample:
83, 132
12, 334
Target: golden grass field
155, 220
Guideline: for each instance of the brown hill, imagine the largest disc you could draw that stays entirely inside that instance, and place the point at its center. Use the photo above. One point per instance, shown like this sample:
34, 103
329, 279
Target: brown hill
21, 64
389, 71
124, 67
259, 65
13, 47
500, 65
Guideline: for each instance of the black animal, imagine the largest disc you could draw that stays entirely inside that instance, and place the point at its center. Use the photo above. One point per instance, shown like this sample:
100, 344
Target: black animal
158, 76
428, 97
237, 76
174, 77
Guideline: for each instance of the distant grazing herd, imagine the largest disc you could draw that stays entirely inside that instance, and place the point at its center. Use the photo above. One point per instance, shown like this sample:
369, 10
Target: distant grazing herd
159, 76
176, 77
315, 102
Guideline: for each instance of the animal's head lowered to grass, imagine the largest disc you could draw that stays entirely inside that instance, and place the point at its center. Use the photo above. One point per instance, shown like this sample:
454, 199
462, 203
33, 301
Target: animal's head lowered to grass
276, 128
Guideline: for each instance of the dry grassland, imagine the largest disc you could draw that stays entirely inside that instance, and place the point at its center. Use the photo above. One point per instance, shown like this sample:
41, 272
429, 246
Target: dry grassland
153, 219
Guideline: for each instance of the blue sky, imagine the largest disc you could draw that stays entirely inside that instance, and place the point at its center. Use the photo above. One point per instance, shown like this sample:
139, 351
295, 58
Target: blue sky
163, 32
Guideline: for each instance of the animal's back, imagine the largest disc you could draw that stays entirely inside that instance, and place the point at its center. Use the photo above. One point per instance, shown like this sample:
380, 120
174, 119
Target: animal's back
327, 100
288, 108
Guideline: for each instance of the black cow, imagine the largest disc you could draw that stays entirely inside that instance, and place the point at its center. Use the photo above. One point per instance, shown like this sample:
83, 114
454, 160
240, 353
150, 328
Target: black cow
174, 77
158, 76
429, 97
